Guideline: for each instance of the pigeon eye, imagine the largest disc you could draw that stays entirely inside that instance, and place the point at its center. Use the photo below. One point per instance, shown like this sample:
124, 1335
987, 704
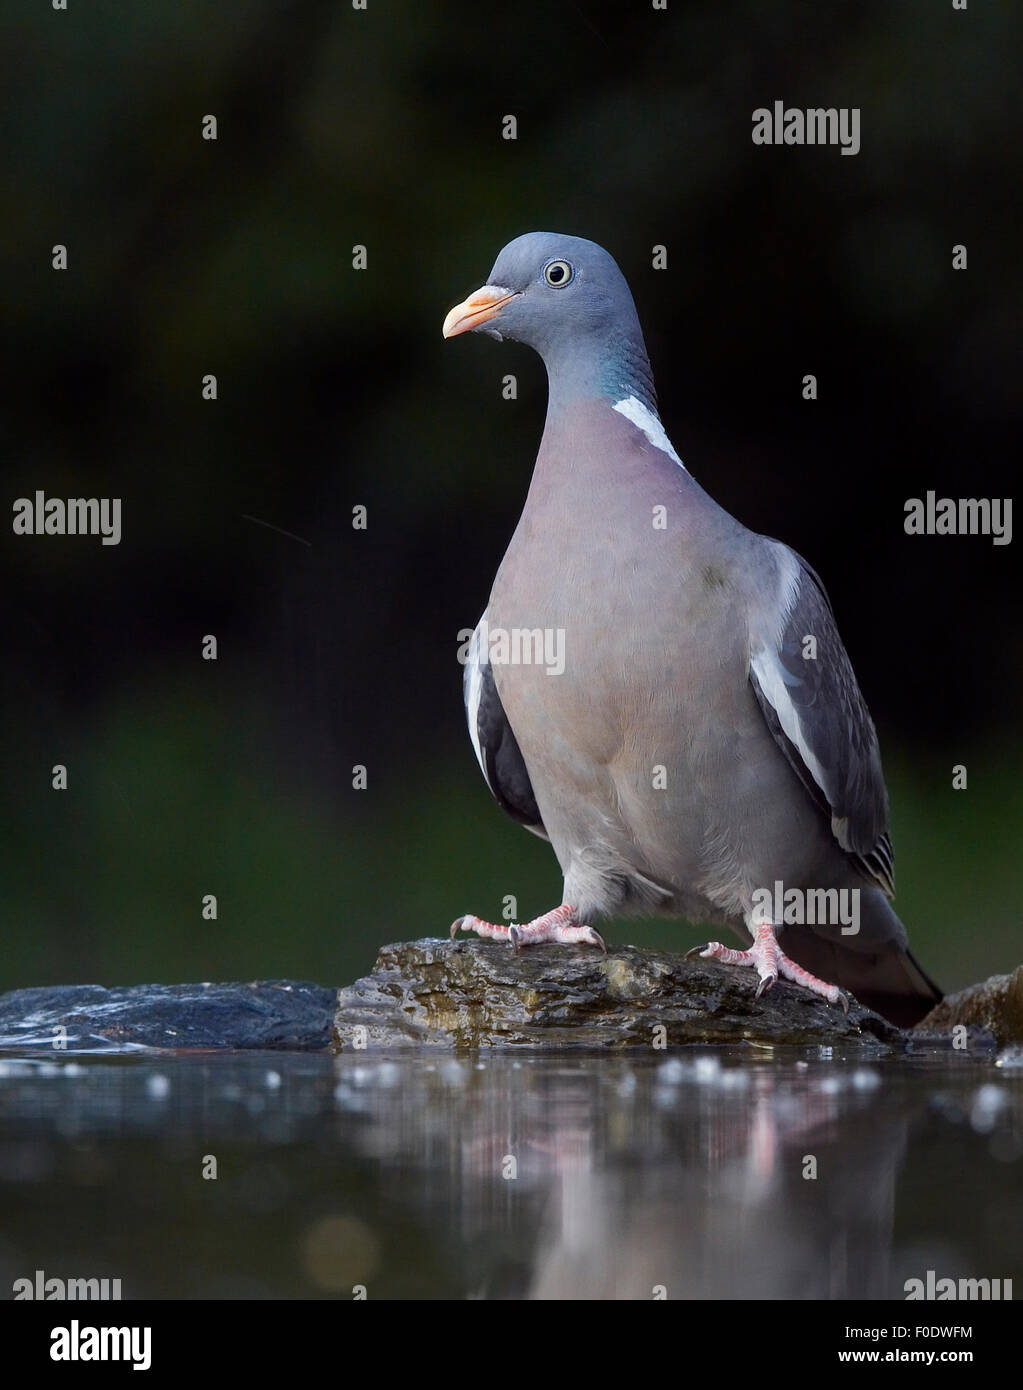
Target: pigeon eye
557, 273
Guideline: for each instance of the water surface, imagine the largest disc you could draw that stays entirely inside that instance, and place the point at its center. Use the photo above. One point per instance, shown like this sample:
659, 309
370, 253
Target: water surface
511, 1176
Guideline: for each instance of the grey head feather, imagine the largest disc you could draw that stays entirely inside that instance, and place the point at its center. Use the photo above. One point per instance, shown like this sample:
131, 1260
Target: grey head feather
585, 327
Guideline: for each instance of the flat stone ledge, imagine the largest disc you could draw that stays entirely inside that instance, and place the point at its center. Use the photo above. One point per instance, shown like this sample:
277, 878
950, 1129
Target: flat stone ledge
482, 994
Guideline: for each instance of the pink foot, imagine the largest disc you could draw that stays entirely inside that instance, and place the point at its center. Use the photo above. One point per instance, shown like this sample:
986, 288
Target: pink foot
769, 961
562, 926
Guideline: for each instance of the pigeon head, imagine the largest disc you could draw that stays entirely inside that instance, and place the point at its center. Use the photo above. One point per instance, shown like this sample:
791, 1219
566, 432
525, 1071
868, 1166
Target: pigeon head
566, 298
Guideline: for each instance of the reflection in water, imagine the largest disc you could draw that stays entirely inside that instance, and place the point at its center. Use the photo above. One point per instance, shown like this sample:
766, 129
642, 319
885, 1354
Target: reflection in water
707, 1175
755, 1191
681, 1174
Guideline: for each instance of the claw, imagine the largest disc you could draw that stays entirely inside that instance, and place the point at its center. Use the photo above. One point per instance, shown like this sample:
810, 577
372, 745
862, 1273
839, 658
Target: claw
455, 925
765, 984
595, 939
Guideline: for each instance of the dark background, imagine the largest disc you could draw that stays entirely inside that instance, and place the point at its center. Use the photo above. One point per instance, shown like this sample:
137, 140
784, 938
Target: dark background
337, 646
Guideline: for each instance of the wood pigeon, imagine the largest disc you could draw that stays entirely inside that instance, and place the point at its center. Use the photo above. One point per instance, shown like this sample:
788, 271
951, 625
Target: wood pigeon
662, 693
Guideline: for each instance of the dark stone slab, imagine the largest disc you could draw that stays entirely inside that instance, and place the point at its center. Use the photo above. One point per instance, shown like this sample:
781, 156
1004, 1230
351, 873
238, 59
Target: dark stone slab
275, 1014
482, 994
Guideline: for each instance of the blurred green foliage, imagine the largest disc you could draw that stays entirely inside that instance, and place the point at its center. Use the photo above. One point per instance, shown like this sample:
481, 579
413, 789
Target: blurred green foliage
170, 799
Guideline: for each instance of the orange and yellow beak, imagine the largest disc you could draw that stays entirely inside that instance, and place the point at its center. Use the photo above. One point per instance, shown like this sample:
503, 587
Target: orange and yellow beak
481, 306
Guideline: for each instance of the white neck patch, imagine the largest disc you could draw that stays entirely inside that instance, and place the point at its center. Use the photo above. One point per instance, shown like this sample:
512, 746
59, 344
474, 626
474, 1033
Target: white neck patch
644, 419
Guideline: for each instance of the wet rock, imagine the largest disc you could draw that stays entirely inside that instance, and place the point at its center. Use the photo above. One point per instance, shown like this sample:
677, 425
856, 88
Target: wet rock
265, 1014
996, 1005
440, 993
483, 994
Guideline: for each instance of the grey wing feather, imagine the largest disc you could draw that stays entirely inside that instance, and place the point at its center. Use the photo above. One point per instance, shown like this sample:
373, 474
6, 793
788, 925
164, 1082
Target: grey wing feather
814, 709
497, 749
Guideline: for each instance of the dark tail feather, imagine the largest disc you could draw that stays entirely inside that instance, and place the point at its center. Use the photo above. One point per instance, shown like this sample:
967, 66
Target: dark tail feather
896, 987
887, 980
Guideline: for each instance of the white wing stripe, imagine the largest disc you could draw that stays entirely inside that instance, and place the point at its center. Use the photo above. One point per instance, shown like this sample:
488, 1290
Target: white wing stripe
767, 669
473, 694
